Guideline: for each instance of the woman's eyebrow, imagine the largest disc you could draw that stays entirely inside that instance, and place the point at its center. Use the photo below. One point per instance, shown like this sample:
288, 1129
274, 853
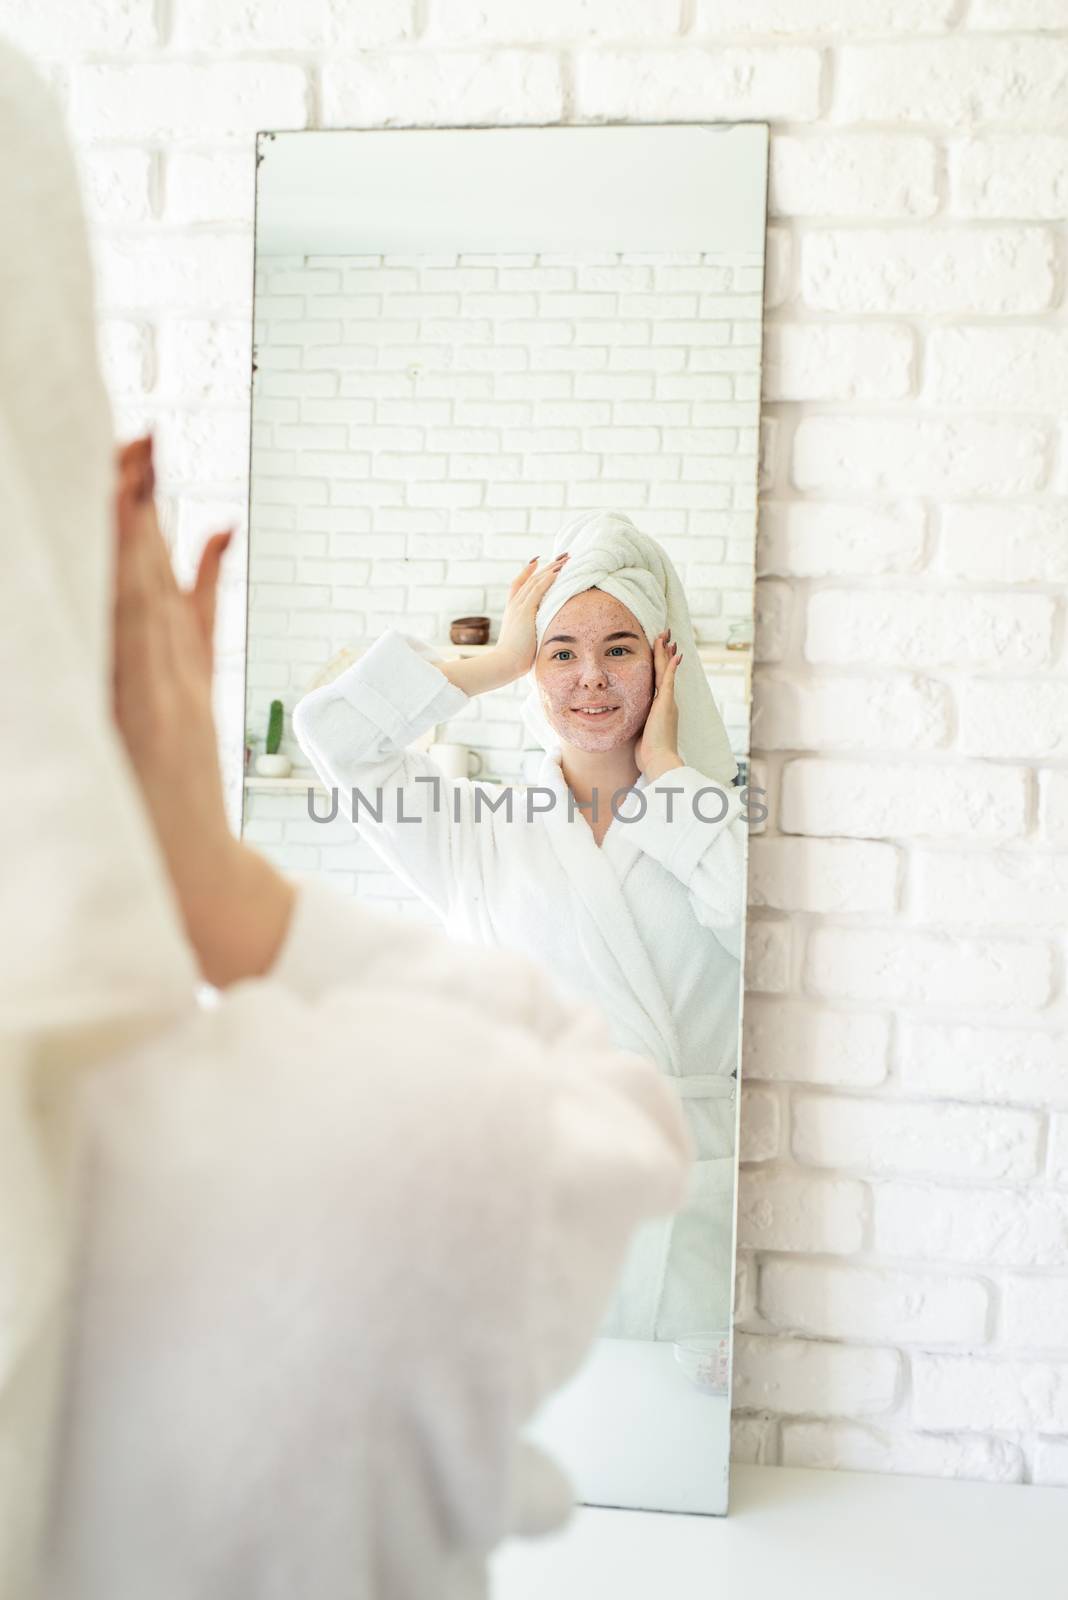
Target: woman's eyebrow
569, 638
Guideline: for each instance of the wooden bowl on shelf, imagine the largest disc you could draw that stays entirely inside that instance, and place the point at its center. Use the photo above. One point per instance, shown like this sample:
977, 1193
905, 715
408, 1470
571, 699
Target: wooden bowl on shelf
469, 630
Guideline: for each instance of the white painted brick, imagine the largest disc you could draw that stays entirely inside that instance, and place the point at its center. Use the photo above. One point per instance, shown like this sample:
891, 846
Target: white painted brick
206, 362
994, 1227
1001, 368
219, 186
792, 1042
781, 1210
174, 101
850, 1302
833, 713
744, 1287
315, 283
1025, 1066
845, 1447
721, 84
1034, 1312
1003, 1396
1058, 1150
761, 1125
98, 26
801, 1376
1011, 14
259, 25
768, 949
126, 355
1005, 544
822, 875
912, 1139
515, 22
835, 17
955, 82
929, 629
1050, 1463
1022, 719
855, 175
413, 89
1053, 807
883, 800
202, 447
773, 612
961, 271
1021, 175
754, 1440
117, 186
919, 455
927, 969
194, 273
809, 539
817, 361
779, 267
984, 888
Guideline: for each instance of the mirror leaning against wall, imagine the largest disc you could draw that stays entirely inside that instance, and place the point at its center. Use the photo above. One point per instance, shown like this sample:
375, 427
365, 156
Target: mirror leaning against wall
500, 618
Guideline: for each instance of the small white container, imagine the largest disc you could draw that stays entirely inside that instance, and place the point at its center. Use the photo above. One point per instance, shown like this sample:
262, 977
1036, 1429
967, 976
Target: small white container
276, 766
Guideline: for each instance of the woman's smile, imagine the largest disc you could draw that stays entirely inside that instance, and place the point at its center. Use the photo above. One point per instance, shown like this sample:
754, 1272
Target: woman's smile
594, 711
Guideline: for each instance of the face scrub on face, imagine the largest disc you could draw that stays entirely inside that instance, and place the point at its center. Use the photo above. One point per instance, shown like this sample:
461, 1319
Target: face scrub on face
589, 667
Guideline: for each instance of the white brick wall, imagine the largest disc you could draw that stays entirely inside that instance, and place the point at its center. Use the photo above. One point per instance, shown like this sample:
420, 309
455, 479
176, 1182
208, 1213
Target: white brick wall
904, 1220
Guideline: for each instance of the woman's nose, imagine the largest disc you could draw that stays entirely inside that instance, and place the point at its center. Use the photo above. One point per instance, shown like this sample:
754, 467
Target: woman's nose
594, 672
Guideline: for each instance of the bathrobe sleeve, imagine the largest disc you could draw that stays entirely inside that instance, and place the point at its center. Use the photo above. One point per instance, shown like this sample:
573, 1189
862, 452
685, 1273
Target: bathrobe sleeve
331, 937
356, 731
350, 1227
686, 833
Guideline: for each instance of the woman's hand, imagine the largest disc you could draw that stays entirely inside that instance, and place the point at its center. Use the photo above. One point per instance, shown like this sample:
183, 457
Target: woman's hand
163, 708
517, 641
657, 749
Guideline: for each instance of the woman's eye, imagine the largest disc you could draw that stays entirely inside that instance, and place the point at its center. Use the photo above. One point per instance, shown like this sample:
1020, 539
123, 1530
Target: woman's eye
621, 647
558, 653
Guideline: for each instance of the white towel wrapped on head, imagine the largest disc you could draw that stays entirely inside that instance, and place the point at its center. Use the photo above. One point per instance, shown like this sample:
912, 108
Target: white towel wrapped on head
608, 552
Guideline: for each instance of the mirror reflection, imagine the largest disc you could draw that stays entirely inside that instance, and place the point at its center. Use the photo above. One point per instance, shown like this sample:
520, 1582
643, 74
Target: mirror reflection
500, 621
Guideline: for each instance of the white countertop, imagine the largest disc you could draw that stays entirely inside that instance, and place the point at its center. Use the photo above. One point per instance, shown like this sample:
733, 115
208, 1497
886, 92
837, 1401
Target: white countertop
803, 1534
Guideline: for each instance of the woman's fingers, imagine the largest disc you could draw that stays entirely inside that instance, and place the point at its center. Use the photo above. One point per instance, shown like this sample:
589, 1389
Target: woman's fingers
139, 650
206, 587
548, 575
530, 583
671, 672
521, 577
544, 580
666, 658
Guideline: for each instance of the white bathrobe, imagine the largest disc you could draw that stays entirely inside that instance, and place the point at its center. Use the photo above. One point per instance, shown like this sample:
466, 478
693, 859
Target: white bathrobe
344, 1233
282, 1279
647, 925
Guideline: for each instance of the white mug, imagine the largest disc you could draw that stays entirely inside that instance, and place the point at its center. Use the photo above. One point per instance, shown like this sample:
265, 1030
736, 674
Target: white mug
455, 760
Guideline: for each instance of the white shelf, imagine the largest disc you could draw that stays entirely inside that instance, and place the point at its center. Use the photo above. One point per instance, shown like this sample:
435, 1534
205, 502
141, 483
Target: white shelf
292, 784
809, 1535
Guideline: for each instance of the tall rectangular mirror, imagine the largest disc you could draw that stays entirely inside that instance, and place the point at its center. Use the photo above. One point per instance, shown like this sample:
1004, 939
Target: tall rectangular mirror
502, 525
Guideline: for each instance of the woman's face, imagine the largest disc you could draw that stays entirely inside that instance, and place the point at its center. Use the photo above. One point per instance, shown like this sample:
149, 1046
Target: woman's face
595, 653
